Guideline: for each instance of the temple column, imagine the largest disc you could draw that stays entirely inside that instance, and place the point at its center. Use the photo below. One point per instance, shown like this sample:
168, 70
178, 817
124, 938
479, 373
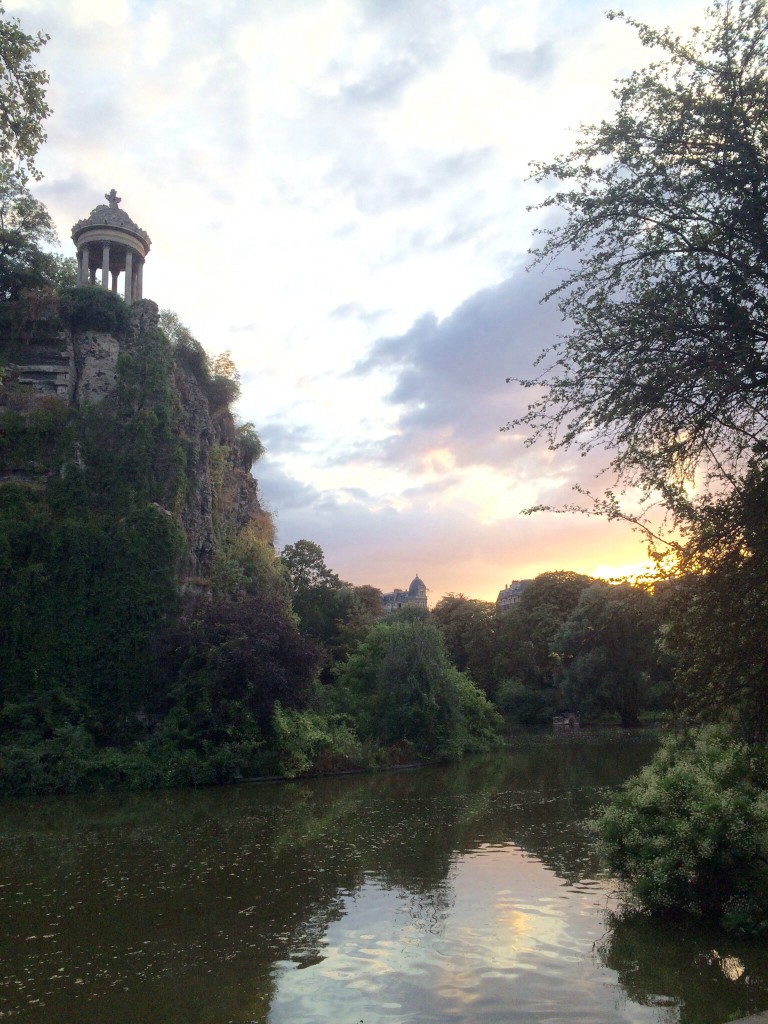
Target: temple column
115, 275
140, 280
105, 266
128, 277
82, 269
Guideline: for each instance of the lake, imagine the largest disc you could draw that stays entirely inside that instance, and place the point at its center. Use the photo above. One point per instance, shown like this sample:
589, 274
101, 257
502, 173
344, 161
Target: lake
463, 893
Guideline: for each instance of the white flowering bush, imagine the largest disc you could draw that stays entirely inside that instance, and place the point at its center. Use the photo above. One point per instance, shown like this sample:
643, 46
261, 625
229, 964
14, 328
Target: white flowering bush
690, 832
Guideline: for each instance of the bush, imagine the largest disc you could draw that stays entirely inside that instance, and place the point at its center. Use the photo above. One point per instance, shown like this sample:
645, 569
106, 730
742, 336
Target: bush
307, 740
91, 308
250, 445
689, 833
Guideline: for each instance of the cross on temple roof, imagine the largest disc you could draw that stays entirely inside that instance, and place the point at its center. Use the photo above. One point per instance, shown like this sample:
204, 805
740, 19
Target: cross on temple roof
113, 198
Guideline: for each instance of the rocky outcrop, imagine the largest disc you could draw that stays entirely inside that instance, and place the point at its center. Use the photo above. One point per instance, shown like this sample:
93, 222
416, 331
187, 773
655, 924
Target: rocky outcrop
218, 496
95, 364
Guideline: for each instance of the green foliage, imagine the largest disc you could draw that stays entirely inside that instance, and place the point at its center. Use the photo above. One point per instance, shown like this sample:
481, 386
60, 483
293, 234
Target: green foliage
309, 740
25, 226
221, 392
245, 565
524, 634
480, 721
82, 601
227, 663
22, 96
326, 606
689, 833
187, 350
468, 626
29, 440
63, 272
304, 564
525, 704
217, 376
607, 651
94, 309
250, 444
401, 689
69, 761
717, 631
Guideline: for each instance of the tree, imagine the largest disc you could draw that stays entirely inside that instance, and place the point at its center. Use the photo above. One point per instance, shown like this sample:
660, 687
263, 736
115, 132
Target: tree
401, 689
665, 207
22, 97
607, 651
357, 609
228, 664
525, 633
689, 832
304, 563
717, 632
315, 589
468, 626
24, 226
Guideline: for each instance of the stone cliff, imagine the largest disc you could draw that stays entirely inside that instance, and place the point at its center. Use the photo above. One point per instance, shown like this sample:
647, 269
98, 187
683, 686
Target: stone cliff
215, 497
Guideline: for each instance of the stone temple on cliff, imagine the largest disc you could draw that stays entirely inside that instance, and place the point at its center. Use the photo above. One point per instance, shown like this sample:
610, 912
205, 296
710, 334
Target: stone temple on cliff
109, 242
414, 597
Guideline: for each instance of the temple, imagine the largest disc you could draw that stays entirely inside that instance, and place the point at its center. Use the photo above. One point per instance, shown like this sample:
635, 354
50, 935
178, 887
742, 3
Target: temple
110, 242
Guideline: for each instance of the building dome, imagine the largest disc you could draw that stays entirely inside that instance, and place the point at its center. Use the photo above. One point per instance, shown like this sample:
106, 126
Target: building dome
109, 241
111, 216
417, 588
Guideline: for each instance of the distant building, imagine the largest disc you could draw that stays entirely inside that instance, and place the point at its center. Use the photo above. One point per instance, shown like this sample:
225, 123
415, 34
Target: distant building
414, 597
511, 594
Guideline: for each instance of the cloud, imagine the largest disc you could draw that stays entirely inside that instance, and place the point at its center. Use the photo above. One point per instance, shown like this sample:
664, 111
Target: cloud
379, 182
382, 86
356, 311
367, 542
533, 66
450, 376
281, 438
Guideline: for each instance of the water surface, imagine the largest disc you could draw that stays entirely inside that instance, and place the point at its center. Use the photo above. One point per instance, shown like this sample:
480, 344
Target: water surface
466, 893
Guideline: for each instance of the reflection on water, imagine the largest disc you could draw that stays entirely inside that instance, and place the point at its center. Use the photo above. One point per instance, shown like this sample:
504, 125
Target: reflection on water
465, 893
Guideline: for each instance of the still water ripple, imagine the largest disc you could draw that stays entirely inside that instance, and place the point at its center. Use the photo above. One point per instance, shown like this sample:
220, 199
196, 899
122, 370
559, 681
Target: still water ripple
468, 893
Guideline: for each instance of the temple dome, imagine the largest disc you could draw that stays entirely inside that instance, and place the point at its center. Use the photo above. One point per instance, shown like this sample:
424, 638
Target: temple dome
111, 216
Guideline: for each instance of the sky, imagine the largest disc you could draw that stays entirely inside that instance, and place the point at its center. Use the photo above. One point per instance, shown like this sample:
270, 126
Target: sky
338, 193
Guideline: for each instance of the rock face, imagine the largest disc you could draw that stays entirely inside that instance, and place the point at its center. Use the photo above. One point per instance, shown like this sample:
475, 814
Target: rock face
95, 364
222, 497
219, 497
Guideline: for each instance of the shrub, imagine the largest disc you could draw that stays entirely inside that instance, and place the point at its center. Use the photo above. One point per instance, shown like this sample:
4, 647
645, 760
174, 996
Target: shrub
94, 309
307, 740
689, 833
250, 445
